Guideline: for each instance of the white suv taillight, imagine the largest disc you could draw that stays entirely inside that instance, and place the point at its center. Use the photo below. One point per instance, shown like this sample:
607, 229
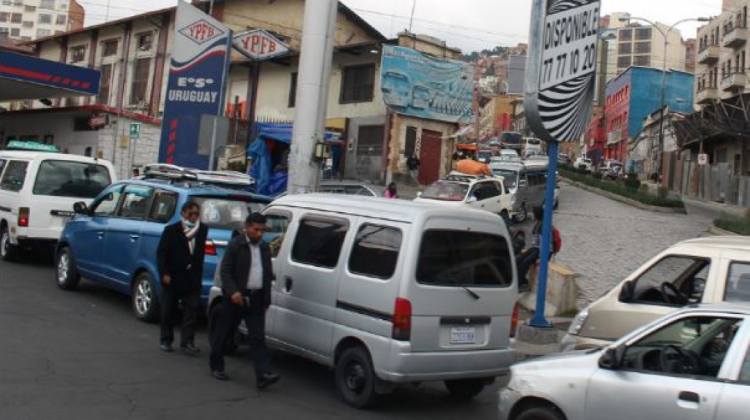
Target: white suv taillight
402, 320
23, 217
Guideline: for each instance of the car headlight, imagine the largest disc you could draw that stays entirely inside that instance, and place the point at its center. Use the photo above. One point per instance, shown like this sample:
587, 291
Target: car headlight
578, 321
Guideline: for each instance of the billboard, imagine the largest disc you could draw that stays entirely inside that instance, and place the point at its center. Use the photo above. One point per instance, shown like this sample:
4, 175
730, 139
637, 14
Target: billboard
197, 79
421, 86
52, 74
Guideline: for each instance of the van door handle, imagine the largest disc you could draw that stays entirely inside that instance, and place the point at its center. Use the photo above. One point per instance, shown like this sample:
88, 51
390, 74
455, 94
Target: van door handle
134, 238
690, 397
288, 284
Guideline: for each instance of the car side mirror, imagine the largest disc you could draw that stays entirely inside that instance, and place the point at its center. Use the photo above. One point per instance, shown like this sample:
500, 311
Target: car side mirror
610, 359
81, 208
627, 292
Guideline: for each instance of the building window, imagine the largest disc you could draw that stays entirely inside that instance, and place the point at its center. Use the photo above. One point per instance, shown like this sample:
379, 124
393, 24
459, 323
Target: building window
358, 84
293, 90
109, 48
28, 24
410, 148
30, 9
78, 54
145, 41
61, 20
15, 32
104, 86
4, 31
643, 47
642, 60
626, 35
140, 81
45, 18
643, 33
16, 18
47, 4
625, 48
4, 16
43, 32
623, 62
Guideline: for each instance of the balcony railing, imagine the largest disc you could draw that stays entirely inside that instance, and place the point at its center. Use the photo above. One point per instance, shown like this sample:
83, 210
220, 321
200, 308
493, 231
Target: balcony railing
707, 95
734, 81
709, 55
736, 37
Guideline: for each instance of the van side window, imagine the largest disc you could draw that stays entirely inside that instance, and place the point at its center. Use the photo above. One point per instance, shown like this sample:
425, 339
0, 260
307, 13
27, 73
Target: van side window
163, 207
675, 280
108, 204
135, 203
319, 242
71, 179
738, 283
375, 251
277, 225
2, 165
14, 176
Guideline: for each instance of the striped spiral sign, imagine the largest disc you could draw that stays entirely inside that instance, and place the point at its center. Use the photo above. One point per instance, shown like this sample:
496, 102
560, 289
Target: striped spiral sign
561, 107
557, 6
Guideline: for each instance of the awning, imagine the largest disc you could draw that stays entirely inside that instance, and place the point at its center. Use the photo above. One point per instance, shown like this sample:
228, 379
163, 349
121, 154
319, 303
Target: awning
24, 77
283, 133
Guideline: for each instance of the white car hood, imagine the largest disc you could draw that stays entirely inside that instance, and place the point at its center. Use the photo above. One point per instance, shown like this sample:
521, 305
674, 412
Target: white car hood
441, 202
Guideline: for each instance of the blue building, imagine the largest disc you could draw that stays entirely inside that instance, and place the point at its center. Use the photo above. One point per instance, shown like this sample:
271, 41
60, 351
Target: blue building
633, 96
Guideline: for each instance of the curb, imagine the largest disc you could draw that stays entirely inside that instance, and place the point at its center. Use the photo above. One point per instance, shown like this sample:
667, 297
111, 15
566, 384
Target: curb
717, 231
625, 200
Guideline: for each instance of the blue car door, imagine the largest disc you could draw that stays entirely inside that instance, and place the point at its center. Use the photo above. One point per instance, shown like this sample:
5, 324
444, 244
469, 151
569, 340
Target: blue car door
163, 210
90, 234
124, 236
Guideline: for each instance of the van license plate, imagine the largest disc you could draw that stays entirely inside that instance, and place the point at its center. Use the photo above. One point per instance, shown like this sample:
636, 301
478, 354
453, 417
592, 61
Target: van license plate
463, 335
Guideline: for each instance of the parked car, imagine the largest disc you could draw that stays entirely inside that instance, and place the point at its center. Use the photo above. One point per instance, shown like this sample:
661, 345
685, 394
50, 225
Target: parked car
611, 169
531, 145
691, 364
564, 159
527, 183
37, 193
114, 241
506, 155
511, 140
484, 156
389, 291
232, 180
488, 194
583, 163
705, 270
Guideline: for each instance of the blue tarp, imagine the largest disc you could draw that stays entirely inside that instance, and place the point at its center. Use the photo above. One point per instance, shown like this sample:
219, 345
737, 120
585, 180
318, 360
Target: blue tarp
261, 169
283, 133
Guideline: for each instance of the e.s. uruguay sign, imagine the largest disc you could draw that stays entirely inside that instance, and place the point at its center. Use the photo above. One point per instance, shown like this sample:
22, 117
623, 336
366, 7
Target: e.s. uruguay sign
561, 70
197, 80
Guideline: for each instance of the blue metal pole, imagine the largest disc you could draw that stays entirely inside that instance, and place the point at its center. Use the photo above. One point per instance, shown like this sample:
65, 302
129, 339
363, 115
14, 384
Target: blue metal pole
549, 203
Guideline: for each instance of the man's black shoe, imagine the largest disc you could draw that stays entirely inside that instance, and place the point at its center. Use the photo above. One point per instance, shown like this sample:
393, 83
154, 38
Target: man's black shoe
166, 347
190, 349
267, 380
220, 375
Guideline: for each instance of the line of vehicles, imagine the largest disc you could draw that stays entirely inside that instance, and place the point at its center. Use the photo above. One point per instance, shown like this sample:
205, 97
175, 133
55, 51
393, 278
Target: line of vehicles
388, 291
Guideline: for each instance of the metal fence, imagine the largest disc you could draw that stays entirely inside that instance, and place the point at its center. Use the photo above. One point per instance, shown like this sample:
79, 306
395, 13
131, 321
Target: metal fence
715, 182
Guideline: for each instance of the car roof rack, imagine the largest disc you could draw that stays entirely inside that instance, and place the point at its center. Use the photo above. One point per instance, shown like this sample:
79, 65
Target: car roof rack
169, 172
174, 173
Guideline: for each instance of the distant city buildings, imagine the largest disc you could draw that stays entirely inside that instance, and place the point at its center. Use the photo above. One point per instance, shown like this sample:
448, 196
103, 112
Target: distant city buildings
30, 19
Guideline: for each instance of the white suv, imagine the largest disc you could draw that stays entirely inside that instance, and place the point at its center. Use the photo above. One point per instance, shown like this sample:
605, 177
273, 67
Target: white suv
37, 193
583, 163
488, 194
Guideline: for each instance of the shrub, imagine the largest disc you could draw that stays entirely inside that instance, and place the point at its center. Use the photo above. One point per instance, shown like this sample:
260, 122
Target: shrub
598, 175
662, 192
632, 182
740, 226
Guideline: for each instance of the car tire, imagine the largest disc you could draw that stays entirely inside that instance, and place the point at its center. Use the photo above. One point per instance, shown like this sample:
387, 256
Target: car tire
521, 216
232, 344
465, 389
540, 413
66, 270
144, 299
355, 378
8, 251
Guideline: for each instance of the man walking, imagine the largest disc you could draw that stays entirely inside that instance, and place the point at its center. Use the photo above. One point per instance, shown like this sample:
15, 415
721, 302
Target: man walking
180, 263
413, 164
246, 276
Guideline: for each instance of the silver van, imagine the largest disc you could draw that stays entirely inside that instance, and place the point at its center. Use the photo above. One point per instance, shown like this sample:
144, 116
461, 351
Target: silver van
389, 291
527, 181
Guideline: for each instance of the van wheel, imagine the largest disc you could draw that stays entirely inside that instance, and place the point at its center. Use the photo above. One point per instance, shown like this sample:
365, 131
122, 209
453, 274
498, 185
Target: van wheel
540, 413
231, 345
355, 378
144, 299
8, 251
67, 273
520, 217
465, 389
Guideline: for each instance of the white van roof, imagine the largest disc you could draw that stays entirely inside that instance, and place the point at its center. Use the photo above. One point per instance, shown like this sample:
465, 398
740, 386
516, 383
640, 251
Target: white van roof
12, 154
381, 208
737, 243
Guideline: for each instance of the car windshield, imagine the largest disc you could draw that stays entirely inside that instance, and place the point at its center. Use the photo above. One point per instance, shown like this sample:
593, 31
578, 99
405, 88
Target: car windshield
446, 191
510, 177
60, 178
225, 213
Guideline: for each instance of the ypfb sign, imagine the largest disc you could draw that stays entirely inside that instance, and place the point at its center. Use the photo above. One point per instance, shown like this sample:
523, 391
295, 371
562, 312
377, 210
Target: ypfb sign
561, 71
197, 80
259, 45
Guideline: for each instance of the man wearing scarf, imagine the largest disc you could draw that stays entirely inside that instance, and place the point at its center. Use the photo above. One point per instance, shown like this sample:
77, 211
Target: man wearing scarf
180, 263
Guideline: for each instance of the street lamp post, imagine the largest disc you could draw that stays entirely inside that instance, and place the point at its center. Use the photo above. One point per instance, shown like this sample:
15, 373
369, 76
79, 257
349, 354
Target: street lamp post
665, 35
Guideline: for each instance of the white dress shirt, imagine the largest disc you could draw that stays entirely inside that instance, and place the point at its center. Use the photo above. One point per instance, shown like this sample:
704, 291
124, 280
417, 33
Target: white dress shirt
255, 278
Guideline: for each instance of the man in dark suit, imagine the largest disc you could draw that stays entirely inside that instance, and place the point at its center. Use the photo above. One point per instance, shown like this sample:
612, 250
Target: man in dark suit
180, 263
246, 276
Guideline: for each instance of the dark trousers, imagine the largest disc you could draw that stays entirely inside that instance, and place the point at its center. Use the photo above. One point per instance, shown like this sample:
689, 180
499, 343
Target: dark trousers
255, 320
170, 300
523, 263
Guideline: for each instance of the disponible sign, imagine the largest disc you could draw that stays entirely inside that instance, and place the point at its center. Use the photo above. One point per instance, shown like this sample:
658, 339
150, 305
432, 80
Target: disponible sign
197, 80
259, 45
561, 71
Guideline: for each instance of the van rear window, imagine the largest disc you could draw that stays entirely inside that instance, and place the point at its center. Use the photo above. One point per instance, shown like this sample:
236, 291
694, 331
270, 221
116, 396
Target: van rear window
225, 213
60, 178
459, 258
15, 175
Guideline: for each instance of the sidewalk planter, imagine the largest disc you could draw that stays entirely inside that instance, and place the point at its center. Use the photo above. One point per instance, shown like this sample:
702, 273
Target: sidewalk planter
562, 292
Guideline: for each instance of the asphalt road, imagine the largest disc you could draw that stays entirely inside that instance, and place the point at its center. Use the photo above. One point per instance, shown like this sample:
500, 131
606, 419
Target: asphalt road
82, 355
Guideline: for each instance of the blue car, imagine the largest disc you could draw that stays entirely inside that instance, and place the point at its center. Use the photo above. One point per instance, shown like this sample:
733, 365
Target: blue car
114, 241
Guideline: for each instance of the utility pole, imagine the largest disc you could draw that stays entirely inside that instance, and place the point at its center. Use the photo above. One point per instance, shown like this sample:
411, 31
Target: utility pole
312, 94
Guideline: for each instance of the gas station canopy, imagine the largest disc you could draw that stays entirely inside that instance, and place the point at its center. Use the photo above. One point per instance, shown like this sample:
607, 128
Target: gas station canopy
25, 77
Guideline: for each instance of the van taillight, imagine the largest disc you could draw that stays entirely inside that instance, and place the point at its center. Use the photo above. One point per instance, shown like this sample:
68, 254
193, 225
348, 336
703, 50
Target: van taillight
210, 248
402, 320
514, 321
23, 217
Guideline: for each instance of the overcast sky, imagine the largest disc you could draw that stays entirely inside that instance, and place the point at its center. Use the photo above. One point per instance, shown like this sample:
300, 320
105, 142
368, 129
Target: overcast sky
467, 24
